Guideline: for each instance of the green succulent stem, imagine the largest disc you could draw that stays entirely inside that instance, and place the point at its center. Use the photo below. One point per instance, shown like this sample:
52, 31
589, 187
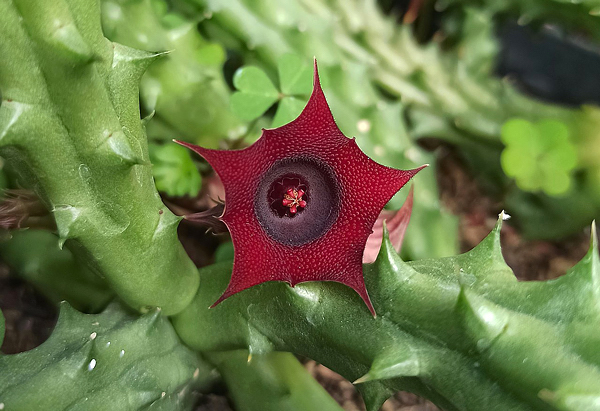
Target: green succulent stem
70, 128
461, 331
114, 360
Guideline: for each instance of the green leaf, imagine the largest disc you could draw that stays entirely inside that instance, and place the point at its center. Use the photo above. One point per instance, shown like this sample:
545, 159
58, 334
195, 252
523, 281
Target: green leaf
539, 156
518, 131
174, 171
295, 76
256, 93
109, 361
289, 108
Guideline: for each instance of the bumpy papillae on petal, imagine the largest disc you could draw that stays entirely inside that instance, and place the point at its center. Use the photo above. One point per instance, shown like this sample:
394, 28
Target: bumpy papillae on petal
325, 239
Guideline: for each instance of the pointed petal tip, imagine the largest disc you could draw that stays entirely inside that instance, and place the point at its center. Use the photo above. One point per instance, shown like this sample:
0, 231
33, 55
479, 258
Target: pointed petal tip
224, 296
360, 288
184, 143
316, 79
197, 149
416, 170
367, 300
412, 172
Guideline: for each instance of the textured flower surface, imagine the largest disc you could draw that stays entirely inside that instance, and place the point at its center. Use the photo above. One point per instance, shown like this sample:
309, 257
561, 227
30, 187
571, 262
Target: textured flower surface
301, 202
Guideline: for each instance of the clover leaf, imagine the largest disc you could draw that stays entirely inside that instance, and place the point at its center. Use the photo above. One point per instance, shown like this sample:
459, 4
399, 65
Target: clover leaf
257, 93
174, 171
540, 156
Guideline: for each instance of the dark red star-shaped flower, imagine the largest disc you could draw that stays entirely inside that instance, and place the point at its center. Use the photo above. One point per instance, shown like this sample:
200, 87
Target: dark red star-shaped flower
301, 202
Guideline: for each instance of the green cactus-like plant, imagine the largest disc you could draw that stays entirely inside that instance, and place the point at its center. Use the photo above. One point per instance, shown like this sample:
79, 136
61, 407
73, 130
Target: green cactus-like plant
109, 361
70, 128
461, 331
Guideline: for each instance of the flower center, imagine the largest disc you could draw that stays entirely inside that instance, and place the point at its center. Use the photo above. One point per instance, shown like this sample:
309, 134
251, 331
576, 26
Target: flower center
293, 199
297, 200
288, 195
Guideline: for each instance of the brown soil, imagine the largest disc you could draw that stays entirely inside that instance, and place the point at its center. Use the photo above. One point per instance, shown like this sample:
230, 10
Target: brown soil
30, 318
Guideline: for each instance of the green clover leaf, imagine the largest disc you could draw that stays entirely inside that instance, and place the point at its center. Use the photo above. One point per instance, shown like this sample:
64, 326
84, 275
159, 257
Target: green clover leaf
256, 92
540, 156
174, 171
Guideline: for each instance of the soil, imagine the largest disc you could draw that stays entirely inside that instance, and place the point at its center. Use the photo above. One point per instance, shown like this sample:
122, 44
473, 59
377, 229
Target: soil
30, 318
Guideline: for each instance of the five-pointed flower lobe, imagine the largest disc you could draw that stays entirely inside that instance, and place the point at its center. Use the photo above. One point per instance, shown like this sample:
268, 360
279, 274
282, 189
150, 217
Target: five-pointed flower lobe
301, 202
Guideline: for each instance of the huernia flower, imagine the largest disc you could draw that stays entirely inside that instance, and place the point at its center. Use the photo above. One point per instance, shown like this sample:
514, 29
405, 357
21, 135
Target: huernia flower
301, 202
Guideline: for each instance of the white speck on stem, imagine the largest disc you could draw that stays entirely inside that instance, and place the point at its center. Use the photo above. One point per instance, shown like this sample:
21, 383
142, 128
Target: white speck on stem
162, 394
95, 323
196, 373
1, 405
93, 336
107, 344
122, 353
92, 364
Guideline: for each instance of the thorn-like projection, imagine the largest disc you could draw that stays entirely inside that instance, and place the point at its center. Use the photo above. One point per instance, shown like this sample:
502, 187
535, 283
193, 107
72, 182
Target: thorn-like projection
66, 217
127, 58
401, 360
489, 252
484, 320
594, 265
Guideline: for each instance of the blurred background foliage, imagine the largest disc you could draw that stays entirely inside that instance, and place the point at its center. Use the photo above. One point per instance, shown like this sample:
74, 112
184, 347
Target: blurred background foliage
510, 86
